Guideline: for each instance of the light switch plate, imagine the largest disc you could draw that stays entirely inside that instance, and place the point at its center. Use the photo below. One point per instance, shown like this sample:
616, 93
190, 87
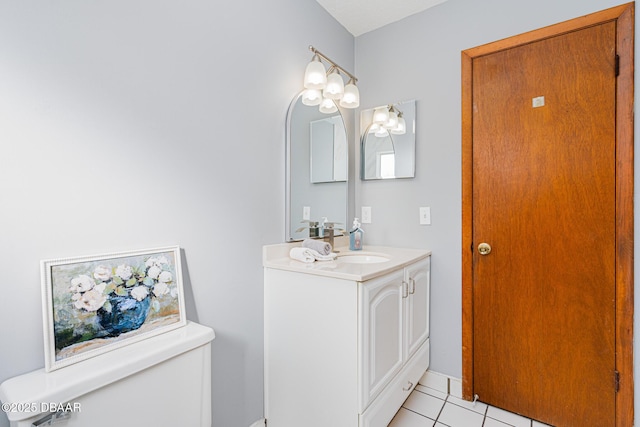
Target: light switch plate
366, 215
425, 216
306, 212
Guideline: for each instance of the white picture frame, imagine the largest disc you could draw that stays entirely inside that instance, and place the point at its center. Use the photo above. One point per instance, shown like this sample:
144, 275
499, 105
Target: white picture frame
97, 303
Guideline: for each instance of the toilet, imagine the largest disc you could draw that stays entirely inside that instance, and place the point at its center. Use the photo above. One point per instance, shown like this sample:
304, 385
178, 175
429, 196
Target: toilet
162, 381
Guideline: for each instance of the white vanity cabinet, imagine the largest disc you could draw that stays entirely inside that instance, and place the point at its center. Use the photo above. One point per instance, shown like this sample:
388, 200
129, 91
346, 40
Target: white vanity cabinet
344, 344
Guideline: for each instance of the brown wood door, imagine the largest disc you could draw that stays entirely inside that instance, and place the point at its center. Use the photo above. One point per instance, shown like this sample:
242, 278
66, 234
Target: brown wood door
544, 193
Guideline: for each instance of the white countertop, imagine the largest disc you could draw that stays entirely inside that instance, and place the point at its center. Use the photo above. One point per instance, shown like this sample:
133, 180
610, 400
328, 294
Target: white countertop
277, 257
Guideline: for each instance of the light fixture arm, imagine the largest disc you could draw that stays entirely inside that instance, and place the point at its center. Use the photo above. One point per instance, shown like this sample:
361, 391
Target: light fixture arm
317, 52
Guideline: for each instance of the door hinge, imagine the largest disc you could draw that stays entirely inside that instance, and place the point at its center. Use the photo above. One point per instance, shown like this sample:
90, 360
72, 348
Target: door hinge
617, 65
616, 379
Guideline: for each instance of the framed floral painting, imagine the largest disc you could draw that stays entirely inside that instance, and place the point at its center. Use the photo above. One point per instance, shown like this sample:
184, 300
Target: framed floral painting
94, 304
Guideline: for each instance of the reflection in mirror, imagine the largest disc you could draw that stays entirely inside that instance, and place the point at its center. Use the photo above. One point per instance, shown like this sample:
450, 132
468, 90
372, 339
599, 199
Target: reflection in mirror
388, 150
316, 174
328, 150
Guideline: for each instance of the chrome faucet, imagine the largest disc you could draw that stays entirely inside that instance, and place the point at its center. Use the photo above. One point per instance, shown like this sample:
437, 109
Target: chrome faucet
328, 233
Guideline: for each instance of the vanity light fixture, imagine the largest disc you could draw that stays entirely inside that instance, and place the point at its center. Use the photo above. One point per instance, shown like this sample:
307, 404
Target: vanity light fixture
327, 88
312, 97
392, 121
401, 127
381, 115
315, 76
327, 106
387, 120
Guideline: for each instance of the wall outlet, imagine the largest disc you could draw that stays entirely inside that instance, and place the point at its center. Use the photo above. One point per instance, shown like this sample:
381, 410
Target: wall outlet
425, 216
306, 212
366, 215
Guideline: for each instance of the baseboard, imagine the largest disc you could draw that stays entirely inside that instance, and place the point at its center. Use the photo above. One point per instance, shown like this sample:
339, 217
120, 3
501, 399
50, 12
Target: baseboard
260, 423
442, 382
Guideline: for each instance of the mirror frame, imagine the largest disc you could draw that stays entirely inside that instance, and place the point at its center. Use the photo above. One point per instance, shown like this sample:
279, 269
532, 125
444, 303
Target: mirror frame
288, 143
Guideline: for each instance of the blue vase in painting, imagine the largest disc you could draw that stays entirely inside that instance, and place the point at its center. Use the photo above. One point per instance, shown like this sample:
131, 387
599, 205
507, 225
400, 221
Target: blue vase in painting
127, 314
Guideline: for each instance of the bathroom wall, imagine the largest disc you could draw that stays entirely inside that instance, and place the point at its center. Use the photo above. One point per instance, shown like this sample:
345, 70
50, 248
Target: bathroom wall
137, 124
419, 57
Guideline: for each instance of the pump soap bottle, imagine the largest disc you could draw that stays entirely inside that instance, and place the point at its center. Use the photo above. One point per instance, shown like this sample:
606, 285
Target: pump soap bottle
355, 236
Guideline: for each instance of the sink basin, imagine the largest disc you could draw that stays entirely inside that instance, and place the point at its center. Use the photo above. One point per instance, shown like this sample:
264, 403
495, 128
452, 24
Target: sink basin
363, 258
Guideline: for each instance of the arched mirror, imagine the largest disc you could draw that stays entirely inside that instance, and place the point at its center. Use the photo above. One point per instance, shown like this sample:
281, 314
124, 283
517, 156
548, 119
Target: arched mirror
317, 168
388, 152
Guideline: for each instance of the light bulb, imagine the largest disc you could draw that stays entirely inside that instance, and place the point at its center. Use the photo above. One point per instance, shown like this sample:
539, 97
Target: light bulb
335, 85
380, 115
315, 75
327, 106
392, 121
351, 97
401, 128
312, 97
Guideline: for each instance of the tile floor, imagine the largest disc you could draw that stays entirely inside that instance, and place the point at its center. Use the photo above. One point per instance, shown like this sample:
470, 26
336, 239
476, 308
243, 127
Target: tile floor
426, 407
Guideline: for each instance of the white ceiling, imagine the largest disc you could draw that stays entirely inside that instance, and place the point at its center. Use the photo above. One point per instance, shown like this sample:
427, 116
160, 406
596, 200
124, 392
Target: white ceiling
362, 16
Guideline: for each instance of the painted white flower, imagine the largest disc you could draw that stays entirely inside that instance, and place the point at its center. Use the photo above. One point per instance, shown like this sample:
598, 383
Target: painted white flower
102, 273
82, 283
174, 292
158, 261
124, 271
165, 277
100, 288
91, 300
139, 292
162, 260
160, 289
154, 272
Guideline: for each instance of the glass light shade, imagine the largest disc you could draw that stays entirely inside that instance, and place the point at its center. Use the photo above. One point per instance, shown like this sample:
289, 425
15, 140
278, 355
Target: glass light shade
392, 122
335, 86
401, 128
327, 106
380, 115
351, 97
315, 75
381, 132
374, 128
312, 97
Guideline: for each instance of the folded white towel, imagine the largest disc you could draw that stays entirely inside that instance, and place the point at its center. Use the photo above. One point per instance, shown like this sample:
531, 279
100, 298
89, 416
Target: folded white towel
320, 257
302, 254
323, 248
309, 255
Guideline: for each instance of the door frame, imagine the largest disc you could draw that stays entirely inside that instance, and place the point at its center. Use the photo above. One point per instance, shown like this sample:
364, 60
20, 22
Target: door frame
624, 17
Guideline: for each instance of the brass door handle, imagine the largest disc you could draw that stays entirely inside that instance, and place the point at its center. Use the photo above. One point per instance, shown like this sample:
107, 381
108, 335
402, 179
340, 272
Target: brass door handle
484, 248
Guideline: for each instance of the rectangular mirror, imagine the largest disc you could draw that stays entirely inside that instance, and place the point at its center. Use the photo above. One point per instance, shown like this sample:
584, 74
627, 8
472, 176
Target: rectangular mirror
388, 141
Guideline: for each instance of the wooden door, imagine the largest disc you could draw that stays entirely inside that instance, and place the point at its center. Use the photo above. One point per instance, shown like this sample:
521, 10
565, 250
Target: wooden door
544, 197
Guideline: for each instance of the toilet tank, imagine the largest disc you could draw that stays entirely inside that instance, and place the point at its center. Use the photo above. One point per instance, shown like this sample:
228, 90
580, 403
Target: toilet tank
162, 381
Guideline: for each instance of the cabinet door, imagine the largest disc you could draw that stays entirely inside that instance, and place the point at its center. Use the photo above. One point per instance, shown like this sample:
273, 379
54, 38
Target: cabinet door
417, 277
380, 335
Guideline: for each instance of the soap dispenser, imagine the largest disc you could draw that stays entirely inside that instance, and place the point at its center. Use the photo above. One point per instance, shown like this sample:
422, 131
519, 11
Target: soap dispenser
355, 236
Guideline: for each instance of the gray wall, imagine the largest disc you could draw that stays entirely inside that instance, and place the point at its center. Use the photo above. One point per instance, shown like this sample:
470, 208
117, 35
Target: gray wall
117, 133
422, 62
136, 124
